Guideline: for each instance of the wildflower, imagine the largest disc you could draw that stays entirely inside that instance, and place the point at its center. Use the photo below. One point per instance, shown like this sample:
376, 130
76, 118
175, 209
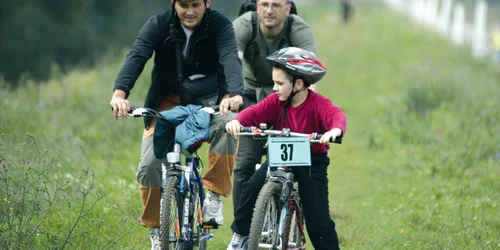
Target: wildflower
86, 171
4, 166
401, 231
5, 199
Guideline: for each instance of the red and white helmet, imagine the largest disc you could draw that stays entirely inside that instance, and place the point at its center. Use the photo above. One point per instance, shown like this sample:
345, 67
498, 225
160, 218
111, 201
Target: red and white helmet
299, 62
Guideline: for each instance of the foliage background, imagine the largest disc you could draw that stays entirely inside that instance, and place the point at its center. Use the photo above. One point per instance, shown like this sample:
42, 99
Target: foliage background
38, 35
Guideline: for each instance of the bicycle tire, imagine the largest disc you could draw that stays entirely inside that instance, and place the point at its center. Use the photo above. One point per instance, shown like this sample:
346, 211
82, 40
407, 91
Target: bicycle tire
195, 220
202, 245
265, 220
292, 237
169, 208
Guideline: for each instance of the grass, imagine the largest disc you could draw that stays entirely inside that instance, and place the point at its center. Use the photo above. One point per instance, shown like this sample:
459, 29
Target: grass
429, 159
419, 167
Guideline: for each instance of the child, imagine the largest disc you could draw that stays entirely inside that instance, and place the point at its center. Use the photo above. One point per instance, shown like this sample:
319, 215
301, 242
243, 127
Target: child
301, 110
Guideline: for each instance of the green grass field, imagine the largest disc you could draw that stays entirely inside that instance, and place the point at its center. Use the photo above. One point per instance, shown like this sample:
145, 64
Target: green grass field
419, 167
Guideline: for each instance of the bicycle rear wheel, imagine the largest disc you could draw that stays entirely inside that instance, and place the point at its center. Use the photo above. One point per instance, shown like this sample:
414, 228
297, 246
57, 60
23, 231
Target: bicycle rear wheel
170, 216
265, 220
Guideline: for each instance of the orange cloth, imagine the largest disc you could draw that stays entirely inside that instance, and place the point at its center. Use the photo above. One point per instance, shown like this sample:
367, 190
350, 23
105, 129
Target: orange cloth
218, 176
150, 197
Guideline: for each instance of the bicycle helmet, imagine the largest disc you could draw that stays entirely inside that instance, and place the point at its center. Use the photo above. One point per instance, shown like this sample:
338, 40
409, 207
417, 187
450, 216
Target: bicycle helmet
300, 63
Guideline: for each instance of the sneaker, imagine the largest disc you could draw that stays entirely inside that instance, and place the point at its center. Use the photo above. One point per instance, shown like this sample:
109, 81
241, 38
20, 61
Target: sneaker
154, 235
238, 242
212, 209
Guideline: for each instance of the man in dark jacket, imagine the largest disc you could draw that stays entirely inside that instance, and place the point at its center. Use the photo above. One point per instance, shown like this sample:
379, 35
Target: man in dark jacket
207, 45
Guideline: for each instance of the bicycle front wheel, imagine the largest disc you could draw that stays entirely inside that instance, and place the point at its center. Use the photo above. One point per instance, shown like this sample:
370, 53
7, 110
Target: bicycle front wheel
170, 216
265, 220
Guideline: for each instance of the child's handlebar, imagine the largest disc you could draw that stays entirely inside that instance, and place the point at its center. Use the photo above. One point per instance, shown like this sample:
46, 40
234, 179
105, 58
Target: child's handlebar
254, 131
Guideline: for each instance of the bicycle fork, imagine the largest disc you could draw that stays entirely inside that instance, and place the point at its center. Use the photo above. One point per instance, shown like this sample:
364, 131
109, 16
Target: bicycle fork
299, 220
184, 189
284, 210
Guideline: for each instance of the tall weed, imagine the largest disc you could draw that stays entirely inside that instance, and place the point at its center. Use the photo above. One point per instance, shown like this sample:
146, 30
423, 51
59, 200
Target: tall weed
44, 206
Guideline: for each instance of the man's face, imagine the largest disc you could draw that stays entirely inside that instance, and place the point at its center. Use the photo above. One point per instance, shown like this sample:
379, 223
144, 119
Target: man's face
282, 84
272, 13
191, 12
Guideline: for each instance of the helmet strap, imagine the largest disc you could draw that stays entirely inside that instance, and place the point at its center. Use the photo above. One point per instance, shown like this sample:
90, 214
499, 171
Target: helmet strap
289, 99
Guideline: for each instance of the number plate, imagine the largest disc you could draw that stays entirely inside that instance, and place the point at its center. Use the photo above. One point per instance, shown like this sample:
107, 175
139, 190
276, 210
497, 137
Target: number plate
289, 151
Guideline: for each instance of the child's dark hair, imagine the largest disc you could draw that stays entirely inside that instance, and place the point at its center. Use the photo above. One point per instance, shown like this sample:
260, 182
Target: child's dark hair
291, 77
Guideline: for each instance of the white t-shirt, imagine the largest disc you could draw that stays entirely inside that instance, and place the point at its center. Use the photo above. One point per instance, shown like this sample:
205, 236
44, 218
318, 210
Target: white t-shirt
188, 33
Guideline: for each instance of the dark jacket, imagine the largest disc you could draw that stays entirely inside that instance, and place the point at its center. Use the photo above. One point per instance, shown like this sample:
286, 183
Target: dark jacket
212, 50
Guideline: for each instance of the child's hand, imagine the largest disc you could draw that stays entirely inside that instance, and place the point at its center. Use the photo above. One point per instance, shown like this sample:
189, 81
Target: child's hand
233, 127
330, 135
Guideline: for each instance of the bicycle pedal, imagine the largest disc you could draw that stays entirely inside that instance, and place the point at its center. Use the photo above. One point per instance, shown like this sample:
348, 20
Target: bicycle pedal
210, 225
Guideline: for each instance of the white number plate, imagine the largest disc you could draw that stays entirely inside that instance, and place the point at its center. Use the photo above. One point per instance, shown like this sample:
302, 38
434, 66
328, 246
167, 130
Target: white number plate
289, 151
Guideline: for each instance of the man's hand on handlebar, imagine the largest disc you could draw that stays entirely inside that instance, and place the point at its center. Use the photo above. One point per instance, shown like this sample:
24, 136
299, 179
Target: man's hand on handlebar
233, 127
230, 103
119, 104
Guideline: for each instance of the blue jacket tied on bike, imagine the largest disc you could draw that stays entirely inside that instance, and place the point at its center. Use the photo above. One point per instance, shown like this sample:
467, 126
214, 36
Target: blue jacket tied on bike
188, 125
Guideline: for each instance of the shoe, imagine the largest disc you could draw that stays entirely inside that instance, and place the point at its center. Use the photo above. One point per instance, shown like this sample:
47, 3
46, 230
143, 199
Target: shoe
212, 209
154, 235
238, 242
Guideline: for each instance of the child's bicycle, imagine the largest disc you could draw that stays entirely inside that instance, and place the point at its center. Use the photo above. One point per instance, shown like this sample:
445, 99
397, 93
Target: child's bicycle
277, 221
182, 196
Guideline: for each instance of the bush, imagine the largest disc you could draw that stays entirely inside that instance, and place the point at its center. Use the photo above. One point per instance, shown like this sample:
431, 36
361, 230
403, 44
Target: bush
423, 97
454, 126
43, 207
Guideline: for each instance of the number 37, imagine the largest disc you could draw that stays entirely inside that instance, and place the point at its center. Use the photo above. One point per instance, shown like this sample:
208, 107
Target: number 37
287, 153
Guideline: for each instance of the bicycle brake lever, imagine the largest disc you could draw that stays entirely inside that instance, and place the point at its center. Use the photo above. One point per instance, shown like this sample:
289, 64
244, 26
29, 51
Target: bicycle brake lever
138, 112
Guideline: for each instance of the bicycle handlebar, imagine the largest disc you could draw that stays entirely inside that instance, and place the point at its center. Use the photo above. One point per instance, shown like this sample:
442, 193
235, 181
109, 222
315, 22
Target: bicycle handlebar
147, 112
254, 131
141, 112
